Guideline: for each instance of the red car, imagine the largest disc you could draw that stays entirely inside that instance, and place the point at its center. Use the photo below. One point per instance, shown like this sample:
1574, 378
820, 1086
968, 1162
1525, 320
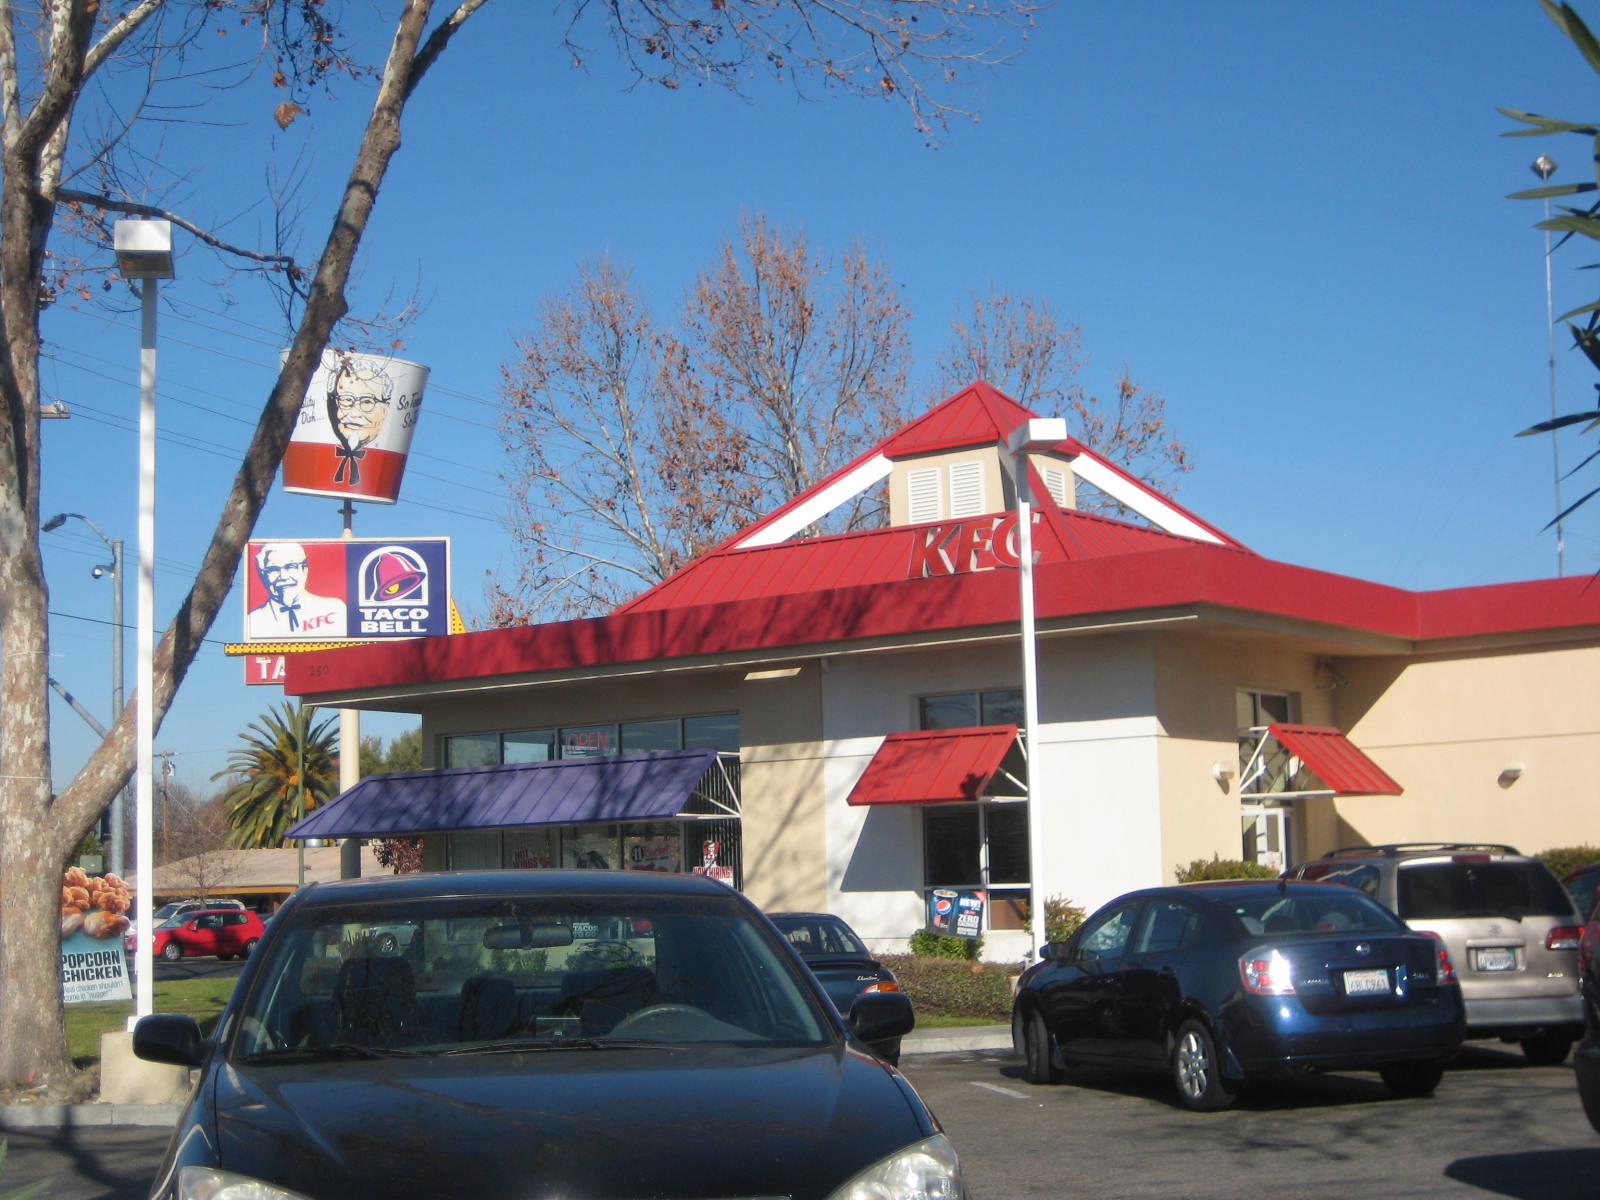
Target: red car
225, 932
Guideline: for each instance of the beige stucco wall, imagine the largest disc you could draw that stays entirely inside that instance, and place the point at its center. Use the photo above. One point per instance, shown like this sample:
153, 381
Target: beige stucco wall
1446, 727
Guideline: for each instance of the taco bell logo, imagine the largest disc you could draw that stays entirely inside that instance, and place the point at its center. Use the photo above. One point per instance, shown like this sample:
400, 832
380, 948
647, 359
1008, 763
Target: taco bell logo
393, 593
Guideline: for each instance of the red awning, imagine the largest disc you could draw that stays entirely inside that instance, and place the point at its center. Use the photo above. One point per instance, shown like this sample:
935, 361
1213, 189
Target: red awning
1335, 759
940, 766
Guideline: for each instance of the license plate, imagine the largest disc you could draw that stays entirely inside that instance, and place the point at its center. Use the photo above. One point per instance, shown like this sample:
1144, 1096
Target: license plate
1497, 958
1366, 983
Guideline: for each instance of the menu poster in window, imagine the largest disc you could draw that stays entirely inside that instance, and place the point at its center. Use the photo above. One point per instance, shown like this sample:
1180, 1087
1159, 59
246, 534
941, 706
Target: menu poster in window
969, 914
656, 852
594, 850
711, 865
942, 910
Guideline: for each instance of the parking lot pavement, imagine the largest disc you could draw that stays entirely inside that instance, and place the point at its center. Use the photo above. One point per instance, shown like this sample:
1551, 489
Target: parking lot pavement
1495, 1128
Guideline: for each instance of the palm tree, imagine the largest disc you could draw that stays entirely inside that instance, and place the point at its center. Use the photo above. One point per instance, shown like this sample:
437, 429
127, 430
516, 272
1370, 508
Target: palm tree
282, 773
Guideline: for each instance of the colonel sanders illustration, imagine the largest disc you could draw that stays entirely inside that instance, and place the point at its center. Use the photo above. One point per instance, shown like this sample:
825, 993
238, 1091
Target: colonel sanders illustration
290, 610
359, 395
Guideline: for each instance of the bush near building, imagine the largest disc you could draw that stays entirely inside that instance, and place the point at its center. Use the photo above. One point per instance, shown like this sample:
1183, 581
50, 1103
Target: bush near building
950, 987
1222, 868
1563, 860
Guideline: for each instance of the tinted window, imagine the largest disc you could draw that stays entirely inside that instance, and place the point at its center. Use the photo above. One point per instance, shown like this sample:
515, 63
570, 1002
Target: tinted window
1106, 936
820, 935
1169, 925
1322, 910
1437, 890
1361, 876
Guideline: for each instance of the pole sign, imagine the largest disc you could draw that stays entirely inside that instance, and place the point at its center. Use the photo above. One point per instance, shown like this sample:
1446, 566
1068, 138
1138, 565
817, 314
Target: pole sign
343, 589
354, 429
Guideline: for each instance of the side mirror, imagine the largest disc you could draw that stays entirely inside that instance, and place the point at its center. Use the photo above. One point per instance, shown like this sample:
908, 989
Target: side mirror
169, 1038
1056, 952
876, 1016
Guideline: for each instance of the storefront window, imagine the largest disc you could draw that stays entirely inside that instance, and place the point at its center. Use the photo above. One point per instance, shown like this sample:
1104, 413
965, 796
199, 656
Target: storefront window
653, 846
526, 746
590, 846
952, 841
473, 849
712, 731
528, 849
588, 741
472, 750
651, 735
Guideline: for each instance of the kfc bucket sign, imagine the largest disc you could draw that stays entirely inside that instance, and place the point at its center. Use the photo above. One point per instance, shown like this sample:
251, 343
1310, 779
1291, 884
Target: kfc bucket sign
354, 429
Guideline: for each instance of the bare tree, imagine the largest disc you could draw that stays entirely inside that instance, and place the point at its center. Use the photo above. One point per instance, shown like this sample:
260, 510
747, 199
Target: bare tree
199, 855
53, 57
634, 448
1021, 346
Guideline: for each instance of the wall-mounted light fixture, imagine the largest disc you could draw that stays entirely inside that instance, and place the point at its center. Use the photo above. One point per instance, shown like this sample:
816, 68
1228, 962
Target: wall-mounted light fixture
772, 673
1223, 774
1510, 773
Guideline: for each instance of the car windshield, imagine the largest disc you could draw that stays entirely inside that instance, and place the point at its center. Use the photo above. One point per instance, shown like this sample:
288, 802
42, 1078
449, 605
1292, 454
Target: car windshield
817, 935
1318, 910
165, 913
1515, 889
502, 974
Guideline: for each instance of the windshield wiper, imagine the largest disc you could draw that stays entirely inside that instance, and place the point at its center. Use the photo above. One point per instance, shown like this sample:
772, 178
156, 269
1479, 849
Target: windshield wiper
515, 1046
336, 1050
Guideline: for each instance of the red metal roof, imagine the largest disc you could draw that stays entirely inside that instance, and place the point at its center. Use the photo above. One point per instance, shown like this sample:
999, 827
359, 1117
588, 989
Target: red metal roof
941, 766
1335, 760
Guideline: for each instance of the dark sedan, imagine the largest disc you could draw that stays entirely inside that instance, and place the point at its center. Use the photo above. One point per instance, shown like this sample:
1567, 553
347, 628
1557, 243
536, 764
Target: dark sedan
841, 962
1586, 1059
542, 1033
1222, 983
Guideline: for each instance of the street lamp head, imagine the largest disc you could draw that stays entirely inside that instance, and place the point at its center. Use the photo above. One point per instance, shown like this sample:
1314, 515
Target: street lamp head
144, 249
55, 522
1544, 166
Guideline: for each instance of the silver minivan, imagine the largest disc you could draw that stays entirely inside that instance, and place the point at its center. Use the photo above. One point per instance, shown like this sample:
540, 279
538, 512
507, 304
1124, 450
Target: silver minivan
1510, 928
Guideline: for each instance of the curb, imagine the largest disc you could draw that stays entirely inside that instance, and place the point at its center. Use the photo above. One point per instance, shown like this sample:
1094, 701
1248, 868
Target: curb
956, 1038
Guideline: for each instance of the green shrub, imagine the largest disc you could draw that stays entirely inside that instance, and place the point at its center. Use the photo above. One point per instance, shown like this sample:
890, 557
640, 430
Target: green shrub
1223, 868
925, 944
1565, 859
1061, 919
945, 987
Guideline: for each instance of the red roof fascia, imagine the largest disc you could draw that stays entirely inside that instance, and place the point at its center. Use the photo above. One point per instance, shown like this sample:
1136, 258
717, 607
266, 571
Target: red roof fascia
1495, 608
1335, 760
1185, 575
943, 766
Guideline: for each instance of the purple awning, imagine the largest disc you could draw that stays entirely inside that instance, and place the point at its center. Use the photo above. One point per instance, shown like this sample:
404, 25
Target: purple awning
619, 787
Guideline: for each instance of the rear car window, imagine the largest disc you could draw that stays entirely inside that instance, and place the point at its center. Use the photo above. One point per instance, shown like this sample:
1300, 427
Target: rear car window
1363, 877
1441, 890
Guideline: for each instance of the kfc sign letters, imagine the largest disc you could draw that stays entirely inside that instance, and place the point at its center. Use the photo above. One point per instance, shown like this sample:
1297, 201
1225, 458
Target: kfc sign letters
956, 547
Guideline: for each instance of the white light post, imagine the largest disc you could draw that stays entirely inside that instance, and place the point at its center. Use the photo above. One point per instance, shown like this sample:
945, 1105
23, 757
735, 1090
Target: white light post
115, 568
1544, 166
144, 252
1039, 433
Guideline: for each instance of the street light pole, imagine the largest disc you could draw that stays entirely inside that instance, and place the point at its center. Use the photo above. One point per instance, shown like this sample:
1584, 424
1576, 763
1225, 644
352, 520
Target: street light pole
1544, 166
118, 804
144, 252
1032, 435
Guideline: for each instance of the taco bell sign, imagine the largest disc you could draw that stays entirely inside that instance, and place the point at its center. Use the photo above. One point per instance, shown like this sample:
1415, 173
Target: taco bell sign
353, 433
346, 589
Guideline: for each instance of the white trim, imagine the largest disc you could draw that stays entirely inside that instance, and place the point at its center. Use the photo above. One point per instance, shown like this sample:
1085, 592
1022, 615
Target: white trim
820, 504
1140, 499
922, 496
966, 489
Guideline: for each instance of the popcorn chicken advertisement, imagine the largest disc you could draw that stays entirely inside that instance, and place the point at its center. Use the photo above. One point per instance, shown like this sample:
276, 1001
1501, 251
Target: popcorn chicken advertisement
94, 916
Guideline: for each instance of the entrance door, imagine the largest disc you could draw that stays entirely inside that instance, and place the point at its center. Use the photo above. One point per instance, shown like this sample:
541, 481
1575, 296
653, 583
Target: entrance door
1266, 835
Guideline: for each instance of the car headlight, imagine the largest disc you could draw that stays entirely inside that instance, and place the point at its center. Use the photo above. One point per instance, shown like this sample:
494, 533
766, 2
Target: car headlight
925, 1170
208, 1183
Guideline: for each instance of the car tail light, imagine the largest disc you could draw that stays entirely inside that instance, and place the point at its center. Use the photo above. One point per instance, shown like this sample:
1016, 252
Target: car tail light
1563, 937
1266, 974
883, 985
1447, 969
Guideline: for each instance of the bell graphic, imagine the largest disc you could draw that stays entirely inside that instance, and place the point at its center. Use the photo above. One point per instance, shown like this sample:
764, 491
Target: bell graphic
394, 578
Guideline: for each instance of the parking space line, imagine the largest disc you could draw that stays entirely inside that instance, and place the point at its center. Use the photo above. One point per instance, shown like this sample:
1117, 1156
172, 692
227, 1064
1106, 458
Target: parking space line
1004, 1091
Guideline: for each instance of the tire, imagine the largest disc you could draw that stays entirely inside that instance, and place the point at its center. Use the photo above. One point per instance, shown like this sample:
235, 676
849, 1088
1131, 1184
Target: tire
248, 948
1412, 1078
1040, 1066
172, 952
1547, 1049
386, 943
1197, 1070
224, 957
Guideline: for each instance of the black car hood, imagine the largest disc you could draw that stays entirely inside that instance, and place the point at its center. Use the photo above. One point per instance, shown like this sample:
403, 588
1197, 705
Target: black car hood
669, 1123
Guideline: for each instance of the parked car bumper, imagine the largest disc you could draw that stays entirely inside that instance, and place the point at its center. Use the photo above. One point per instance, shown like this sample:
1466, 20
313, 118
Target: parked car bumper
1281, 1037
1509, 1016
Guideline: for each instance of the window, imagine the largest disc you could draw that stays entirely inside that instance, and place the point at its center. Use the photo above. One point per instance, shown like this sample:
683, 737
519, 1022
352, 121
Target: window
709, 731
981, 845
529, 746
1168, 925
1254, 710
1107, 936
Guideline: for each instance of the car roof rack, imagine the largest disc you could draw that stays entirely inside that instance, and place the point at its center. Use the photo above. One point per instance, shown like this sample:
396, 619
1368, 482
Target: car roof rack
1397, 849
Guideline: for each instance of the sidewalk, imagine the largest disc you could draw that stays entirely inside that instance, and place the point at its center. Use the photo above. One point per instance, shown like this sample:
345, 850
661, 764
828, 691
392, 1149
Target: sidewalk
30, 1116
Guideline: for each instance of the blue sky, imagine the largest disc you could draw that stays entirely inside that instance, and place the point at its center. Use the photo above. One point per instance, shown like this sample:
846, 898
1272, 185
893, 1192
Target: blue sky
1288, 220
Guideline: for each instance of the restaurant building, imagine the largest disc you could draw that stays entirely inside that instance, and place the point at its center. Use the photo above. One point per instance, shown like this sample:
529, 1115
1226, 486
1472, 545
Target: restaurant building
832, 721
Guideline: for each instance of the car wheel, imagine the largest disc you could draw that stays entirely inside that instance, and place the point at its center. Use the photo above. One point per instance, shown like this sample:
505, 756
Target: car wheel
1197, 1070
1041, 1068
386, 943
224, 957
172, 952
1546, 1049
248, 948
1412, 1078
